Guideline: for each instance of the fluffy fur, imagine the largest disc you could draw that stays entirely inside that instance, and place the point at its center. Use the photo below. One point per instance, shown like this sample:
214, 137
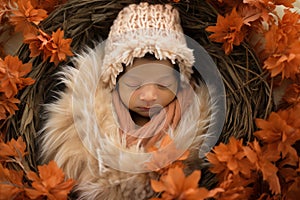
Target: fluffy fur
82, 135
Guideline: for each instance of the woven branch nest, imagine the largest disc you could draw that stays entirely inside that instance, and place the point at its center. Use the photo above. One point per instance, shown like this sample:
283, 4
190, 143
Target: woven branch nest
248, 94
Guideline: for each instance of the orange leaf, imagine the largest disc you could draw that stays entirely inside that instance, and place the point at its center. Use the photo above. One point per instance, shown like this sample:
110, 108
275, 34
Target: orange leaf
26, 16
268, 169
230, 158
165, 156
50, 182
12, 71
59, 48
175, 185
10, 183
234, 187
281, 130
7, 106
228, 30
13, 148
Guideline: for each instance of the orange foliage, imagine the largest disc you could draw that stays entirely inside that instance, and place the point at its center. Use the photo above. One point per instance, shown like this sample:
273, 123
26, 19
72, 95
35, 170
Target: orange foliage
12, 148
227, 158
175, 185
280, 132
25, 15
272, 156
55, 46
12, 72
282, 45
228, 30
163, 156
48, 182
7, 106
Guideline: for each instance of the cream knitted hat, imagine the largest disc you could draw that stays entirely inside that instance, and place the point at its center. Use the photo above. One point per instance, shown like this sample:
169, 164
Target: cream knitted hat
143, 28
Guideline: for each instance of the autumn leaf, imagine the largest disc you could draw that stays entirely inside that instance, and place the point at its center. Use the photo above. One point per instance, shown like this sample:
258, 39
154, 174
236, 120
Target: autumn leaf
11, 186
228, 30
280, 131
165, 156
50, 182
285, 63
284, 33
282, 46
290, 24
37, 43
249, 14
269, 171
228, 158
59, 47
13, 148
235, 188
265, 7
24, 18
7, 106
12, 72
175, 185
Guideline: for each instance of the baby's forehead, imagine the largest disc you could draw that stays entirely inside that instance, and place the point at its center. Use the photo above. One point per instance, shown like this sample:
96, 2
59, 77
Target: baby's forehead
151, 63
150, 70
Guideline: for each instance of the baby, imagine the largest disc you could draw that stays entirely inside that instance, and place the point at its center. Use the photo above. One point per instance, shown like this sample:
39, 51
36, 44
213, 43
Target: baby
122, 98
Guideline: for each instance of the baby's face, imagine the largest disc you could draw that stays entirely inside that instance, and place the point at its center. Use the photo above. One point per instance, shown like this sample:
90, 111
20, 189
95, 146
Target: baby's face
148, 85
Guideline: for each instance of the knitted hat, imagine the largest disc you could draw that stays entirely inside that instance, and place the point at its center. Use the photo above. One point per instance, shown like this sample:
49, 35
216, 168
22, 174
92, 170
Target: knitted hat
140, 29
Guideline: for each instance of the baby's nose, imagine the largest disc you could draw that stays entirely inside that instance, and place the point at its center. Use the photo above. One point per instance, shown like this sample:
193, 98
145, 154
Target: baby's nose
148, 92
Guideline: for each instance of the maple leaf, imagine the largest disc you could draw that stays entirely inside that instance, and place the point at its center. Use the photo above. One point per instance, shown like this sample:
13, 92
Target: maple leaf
249, 14
165, 156
50, 182
7, 106
228, 30
280, 131
26, 15
13, 148
290, 24
269, 171
175, 185
12, 71
234, 188
284, 33
229, 158
11, 185
265, 7
285, 62
37, 43
59, 47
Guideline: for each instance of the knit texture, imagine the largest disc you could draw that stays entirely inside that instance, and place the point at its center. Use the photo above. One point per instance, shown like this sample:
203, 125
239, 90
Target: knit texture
141, 29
